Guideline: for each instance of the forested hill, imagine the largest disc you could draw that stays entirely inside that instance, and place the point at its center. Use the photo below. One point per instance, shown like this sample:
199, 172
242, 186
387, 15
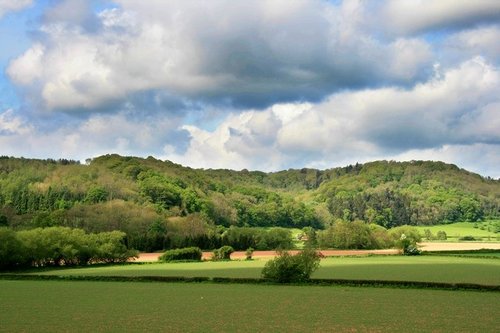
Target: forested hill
137, 195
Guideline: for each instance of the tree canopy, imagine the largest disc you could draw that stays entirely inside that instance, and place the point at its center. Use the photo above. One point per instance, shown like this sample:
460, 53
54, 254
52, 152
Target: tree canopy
160, 204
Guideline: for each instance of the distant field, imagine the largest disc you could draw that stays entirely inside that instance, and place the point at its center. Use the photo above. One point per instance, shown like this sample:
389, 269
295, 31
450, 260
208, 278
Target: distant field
461, 229
50, 306
420, 268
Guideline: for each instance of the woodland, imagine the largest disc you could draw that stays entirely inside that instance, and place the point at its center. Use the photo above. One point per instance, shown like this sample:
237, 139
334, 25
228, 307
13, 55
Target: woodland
160, 205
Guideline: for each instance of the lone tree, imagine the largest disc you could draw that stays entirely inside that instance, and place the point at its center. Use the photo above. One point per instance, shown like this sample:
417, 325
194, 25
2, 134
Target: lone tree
287, 268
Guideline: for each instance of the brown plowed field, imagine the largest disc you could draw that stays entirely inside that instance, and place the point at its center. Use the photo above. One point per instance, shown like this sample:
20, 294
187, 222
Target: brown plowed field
449, 246
431, 246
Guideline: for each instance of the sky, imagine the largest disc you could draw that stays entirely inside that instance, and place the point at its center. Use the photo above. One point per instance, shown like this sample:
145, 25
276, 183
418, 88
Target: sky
258, 85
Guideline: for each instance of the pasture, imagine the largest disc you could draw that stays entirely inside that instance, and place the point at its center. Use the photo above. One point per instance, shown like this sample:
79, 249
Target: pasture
400, 268
483, 231
77, 306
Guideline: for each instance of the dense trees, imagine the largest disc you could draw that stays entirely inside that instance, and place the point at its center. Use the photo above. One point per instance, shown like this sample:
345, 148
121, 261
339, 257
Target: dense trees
354, 235
160, 204
242, 238
57, 246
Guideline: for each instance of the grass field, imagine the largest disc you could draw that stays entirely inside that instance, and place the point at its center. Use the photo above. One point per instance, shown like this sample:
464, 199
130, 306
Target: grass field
478, 255
460, 229
50, 306
420, 268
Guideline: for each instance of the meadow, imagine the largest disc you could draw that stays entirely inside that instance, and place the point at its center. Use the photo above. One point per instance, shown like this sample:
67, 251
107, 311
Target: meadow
81, 306
448, 269
484, 231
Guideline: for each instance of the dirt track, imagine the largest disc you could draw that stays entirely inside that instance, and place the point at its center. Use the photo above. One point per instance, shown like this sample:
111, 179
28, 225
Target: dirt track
432, 246
448, 246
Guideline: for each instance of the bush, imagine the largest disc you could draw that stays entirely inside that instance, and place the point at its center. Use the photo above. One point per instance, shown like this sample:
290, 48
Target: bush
187, 253
57, 246
428, 234
467, 238
441, 235
223, 253
408, 245
10, 249
409, 232
287, 268
249, 253
354, 235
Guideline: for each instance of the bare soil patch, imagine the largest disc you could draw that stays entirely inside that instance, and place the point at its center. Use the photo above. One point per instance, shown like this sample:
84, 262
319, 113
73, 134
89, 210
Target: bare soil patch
457, 246
426, 246
150, 257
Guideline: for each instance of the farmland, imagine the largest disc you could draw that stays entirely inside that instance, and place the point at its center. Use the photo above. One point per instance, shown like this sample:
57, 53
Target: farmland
422, 268
98, 306
481, 230
49, 306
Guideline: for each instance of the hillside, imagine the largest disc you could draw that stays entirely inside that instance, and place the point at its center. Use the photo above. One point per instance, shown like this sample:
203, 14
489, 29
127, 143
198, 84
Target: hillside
149, 197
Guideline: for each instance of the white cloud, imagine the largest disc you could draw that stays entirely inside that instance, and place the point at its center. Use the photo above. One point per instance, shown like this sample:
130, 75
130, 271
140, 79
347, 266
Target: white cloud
479, 157
246, 54
482, 41
28, 67
7, 6
121, 133
459, 109
12, 125
292, 83
70, 11
414, 16
409, 57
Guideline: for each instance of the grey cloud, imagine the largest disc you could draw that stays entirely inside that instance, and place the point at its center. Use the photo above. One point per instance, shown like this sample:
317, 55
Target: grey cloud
465, 44
223, 53
458, 108
7, 6
123, 132
74, 13
413, 17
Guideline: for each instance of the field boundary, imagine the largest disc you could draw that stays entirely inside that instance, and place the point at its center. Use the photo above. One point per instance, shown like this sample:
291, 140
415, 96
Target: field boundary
226, 280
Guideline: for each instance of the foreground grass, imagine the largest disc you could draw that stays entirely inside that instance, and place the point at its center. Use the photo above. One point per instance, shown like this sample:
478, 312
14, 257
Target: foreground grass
50, 306
396, 268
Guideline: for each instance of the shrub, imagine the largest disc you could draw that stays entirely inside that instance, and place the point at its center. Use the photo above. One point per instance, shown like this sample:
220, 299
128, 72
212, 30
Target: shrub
408, 245
441, 235
56, 246
409, 232
187, 253
249, 253
467, 238
287, 268
354, 235
10, 248
223, 253
428, 234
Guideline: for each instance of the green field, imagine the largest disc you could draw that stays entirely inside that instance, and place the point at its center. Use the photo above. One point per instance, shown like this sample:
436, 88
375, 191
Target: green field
57, 306
461, 229
400, 268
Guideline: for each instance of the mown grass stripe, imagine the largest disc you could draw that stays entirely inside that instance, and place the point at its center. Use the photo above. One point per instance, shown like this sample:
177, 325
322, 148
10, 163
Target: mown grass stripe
226, 280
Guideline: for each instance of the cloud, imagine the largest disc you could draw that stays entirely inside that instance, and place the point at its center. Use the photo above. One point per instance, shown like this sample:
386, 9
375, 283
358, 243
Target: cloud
478, 157
460, 108
121, 133
73, 12
7, 6
12, 125
257, 84
225, 53
417, 16
468, 43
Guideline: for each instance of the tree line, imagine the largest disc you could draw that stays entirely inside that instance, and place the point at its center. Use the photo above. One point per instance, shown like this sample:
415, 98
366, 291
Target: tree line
147, 197
58, 246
